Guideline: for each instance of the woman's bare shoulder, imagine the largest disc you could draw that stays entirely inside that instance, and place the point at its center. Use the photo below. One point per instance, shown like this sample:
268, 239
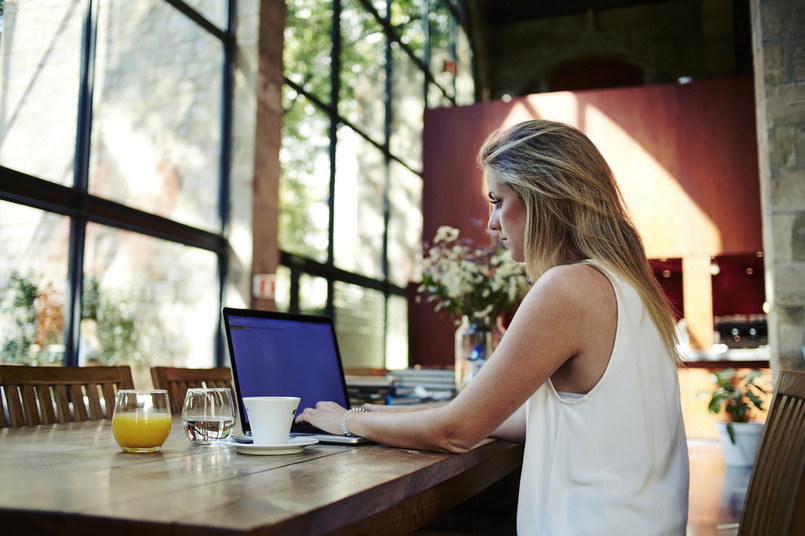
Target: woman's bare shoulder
575, 280
585, 302
569, 314
569, 292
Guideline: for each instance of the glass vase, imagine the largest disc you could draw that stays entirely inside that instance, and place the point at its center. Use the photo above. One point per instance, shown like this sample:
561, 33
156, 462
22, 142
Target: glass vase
473, 348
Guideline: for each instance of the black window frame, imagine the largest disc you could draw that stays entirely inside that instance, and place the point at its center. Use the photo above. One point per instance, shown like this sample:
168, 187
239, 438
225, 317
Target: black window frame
299, 265
83, 208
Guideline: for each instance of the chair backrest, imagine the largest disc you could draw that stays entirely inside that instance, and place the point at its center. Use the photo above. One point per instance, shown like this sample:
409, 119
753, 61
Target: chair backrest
775, 498
46, 394
178, 380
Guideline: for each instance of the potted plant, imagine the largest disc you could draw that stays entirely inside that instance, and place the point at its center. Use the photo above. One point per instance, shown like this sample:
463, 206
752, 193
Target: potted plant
738, 394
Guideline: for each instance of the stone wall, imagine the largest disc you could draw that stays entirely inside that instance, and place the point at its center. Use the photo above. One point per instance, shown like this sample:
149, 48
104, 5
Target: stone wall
701, 39
778, 28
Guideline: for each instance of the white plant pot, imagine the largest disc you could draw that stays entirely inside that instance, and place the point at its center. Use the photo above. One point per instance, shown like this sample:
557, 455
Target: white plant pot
747, 439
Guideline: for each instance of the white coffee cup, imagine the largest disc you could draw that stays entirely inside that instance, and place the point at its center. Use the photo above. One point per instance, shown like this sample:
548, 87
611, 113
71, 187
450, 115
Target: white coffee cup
270, 418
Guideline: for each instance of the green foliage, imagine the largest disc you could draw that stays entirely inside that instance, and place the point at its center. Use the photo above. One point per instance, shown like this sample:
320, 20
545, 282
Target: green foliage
307, 61
308, 45
115, 323
28, 307
20, 335
91, 302
117, 333
304, 190
737, 395
304, 187
406, 17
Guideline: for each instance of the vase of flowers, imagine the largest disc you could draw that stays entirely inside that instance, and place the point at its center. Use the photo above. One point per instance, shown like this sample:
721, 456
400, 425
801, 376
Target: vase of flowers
476, 285
474, 343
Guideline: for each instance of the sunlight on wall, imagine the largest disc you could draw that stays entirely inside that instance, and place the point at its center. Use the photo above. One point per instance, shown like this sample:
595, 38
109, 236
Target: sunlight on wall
652, 192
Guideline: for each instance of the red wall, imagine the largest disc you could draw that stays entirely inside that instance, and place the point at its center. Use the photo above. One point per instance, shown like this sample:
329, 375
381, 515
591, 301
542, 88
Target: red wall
685, 157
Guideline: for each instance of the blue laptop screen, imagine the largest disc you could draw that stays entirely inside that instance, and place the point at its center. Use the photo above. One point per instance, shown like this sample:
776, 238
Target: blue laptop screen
285, 357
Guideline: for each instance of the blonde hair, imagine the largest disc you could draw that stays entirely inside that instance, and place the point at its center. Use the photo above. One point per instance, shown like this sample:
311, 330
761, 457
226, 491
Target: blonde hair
574, 209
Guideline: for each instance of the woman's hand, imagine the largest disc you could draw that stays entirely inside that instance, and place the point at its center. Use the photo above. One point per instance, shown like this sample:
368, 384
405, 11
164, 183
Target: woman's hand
327, 416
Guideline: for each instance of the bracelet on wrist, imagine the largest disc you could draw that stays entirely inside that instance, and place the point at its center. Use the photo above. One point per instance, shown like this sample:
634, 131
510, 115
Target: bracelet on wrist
347, 415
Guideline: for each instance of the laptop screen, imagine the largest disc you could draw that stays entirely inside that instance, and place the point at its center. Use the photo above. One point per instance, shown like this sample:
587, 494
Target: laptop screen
283, 354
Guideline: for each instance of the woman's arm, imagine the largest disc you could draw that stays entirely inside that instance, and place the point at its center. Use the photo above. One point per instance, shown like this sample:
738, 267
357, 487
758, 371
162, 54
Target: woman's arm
562, 316
403, 407
513, 428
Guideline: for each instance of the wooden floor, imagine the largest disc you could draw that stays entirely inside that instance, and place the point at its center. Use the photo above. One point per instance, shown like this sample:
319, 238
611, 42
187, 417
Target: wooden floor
716, 491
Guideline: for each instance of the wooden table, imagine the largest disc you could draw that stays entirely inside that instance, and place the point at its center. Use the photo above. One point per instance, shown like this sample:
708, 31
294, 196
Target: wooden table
73, 479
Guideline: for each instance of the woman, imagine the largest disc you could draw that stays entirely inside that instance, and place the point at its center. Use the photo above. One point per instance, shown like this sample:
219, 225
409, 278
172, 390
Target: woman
586, 373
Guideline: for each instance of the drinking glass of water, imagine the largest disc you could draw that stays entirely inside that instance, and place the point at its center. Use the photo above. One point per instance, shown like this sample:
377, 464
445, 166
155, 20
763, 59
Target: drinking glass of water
208, 415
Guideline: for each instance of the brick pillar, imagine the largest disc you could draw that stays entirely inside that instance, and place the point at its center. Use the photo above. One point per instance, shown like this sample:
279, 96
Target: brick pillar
268, 88
778, 37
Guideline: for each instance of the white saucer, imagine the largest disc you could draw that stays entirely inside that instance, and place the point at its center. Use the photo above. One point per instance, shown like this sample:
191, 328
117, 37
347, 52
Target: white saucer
293, 446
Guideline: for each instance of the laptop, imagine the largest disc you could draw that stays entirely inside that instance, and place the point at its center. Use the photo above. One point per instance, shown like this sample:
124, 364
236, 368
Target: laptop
286, 354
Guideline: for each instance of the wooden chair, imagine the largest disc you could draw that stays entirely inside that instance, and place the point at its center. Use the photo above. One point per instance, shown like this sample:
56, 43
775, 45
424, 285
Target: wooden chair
45, 395
178, 380
775, 498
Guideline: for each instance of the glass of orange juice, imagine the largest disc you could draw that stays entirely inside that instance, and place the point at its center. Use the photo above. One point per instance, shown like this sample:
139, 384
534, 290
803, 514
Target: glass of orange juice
142, 419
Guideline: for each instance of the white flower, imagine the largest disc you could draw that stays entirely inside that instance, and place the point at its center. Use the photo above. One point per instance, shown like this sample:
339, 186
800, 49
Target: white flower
470, 280
445, 233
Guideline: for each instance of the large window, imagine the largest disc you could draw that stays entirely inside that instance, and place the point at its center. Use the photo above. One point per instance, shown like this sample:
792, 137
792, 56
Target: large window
115, 151
359, 76
113, 181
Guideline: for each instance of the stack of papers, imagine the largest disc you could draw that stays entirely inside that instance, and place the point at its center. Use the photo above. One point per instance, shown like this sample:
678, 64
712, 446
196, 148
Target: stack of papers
408, 386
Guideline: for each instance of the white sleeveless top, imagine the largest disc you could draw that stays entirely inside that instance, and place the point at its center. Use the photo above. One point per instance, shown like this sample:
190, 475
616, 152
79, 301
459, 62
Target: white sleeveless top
614, 461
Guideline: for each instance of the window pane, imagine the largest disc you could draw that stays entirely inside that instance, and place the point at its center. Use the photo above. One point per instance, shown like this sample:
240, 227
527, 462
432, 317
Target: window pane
156, 128
465, 86
440, 45
308, 45
407, 108
312, 294
437, 98
359, 323
406, 17
359, 221
40, 65
282, 294
215, 11
148, 302
405, 224
363, 76
397, 337
33, 284
305, 184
